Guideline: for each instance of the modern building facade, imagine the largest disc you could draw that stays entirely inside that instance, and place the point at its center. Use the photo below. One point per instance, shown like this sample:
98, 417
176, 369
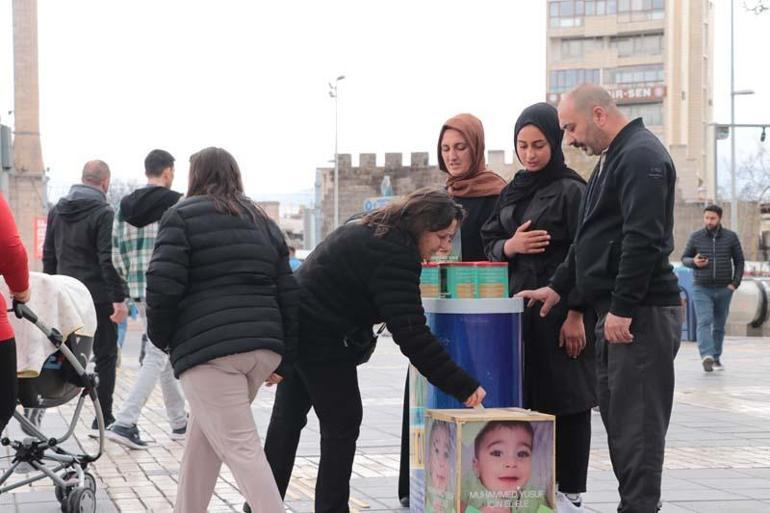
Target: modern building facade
655, 58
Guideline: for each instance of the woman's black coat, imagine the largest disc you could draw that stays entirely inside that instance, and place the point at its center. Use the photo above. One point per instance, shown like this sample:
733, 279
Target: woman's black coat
477, 211
553, 382
219, 284
353, 280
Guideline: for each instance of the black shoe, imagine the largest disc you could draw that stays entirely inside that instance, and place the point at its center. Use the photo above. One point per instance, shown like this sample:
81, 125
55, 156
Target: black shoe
94, 433
246, 507
404, 502
126, 436
179, 433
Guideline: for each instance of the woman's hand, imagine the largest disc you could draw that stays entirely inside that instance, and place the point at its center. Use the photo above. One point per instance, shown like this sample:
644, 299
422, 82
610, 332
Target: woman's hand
23, 296
572, 336
526, 242
273, 379
476, 398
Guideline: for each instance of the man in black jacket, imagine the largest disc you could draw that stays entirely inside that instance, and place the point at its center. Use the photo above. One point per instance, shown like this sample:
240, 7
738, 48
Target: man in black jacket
78, 243
619, 264
716, 255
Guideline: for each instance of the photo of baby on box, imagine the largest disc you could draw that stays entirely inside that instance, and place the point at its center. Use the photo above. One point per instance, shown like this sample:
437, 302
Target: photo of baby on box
440, 462
477, 463
507, 467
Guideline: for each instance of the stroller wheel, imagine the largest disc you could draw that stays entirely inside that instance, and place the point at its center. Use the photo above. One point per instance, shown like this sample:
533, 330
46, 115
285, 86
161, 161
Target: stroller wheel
90, 481
82, 500
62, 492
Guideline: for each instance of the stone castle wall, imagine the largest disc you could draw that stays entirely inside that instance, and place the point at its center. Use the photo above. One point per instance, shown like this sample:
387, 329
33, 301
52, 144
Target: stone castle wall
363, 181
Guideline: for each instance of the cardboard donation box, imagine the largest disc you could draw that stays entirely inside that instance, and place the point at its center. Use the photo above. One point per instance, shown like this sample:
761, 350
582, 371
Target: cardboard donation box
499, 460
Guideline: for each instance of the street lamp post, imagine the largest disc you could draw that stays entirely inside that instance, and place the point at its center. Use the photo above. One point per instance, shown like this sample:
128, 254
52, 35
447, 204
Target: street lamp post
733, 94
334, 94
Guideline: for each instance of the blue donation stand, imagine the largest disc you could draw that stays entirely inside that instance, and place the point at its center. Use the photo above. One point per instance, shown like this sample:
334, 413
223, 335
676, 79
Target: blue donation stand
686, 290
483, 336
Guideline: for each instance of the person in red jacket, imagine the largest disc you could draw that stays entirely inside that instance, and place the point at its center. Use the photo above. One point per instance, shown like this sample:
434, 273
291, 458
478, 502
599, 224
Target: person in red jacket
13, 267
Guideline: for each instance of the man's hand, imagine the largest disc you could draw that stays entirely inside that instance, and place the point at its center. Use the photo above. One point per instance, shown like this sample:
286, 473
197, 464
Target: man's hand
273, 379
546, 295
572, 336
119, 312
617, 330
700, 261
23, 296
526, 242
476, 398
731, 287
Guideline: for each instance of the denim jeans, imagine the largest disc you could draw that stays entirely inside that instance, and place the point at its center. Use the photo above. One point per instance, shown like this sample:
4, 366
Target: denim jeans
156, 367
711, 308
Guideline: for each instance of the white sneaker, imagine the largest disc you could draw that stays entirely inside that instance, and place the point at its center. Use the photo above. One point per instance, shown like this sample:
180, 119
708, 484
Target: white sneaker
708, 363
564, 505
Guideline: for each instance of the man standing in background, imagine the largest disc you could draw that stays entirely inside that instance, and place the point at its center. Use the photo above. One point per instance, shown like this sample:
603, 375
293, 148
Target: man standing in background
78, 243
133, 239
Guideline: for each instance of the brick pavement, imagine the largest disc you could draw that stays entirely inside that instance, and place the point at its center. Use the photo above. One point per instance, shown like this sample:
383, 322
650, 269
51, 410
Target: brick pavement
717, 458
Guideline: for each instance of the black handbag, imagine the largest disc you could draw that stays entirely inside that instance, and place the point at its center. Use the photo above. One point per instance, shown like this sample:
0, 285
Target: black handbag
362, 342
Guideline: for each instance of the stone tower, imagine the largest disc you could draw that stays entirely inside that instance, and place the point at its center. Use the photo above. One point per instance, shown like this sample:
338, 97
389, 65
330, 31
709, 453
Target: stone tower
26, 185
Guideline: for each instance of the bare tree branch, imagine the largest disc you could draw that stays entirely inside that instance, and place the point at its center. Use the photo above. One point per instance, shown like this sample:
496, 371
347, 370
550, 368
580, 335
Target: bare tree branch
757, 6
754, 176
120, 188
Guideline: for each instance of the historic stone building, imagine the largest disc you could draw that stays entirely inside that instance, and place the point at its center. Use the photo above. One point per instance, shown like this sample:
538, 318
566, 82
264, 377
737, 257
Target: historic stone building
358, 183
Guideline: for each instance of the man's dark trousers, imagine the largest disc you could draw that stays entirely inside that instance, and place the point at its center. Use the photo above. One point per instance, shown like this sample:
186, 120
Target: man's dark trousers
636, 391
105, 357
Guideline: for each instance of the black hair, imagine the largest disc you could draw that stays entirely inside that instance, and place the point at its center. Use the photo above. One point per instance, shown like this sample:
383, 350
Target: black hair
157, 161
714, 208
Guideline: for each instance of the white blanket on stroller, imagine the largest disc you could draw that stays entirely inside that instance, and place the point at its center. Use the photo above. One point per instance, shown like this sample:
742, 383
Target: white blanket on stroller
60, 302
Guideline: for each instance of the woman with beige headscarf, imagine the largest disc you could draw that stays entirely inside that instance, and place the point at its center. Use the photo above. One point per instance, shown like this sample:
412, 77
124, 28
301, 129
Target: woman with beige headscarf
469, 182
476, 188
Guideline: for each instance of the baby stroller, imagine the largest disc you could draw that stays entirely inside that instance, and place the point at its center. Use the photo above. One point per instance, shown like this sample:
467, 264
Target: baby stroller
61, 379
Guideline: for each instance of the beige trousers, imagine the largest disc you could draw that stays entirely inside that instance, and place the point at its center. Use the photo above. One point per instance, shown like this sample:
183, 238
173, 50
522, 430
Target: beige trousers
222, 430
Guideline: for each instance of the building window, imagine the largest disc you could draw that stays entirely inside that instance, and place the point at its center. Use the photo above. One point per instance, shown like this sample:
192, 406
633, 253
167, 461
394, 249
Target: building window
570, 13
651, 113
634, 76
566, 13
642, 44
601, 7
565, 79
641, 10
577, 48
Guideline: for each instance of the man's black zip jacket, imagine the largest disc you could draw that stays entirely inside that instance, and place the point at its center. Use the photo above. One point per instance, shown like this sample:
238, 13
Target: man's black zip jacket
619, 259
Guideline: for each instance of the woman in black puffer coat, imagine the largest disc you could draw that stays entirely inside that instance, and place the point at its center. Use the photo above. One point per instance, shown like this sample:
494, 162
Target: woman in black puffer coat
363, 273
221, 298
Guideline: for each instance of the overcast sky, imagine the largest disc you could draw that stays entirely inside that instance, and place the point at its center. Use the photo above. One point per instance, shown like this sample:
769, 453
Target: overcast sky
120, 78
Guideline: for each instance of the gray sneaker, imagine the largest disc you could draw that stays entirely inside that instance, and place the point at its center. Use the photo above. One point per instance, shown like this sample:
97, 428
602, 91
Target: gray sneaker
126, 436
708, 363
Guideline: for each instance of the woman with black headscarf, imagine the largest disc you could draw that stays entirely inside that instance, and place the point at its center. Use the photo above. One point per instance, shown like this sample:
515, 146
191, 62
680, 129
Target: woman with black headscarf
532, 228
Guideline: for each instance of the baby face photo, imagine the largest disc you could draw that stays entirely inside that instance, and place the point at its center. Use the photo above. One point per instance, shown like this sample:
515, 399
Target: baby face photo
507, 466
440, 467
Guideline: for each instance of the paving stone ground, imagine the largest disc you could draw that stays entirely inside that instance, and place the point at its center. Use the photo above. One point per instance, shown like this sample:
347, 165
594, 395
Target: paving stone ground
717, 457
